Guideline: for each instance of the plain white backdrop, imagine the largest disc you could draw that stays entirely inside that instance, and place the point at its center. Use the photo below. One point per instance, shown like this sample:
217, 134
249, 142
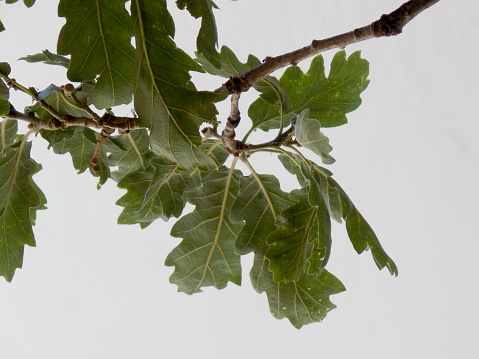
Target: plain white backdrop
409, 159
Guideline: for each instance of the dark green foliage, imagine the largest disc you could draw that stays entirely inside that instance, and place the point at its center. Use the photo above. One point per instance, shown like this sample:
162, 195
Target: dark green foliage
164, 161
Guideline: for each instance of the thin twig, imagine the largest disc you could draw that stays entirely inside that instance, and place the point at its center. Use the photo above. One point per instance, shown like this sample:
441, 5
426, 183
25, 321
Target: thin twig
388, 25
95, 160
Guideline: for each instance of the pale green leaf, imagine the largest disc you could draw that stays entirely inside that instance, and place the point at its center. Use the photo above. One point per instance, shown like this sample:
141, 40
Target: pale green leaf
205, 256
20, 198
361, 234
136, 184
130, 153
304, 301
48, 58
315, 179
165, 99
98, 34
308, 134
164, 196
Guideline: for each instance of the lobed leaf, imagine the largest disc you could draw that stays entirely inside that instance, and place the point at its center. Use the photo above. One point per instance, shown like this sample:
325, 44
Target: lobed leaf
308, 134
80, 142
302, 244
260, 200
304, 301
130, 153
164, 196
98, 34
322, 187
48, 58
207, 39
136, 184
361, 234
328, 99
205, 256
165, 99
20, 198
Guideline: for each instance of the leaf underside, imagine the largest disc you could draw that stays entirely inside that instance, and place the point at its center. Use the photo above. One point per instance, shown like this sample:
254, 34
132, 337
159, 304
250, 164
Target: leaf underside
165, 99
206, 256
20, 198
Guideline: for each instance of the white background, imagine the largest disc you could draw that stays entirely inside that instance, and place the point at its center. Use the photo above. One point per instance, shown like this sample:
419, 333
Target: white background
409, 159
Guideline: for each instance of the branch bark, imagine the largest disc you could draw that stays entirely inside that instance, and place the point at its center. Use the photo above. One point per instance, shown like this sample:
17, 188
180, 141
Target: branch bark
387, 25
123, 124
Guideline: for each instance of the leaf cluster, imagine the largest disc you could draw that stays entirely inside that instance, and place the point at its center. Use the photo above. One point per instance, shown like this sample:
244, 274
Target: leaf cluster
164, 161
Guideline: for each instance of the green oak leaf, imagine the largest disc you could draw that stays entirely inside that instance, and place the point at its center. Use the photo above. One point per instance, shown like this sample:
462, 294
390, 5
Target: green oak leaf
20, 198
156, 191
302, 244
206, 256
216, 150
164, 196
80, 142
304, 301
165, 99
4, 95
315, 178
8, 132
98, 34
328, 99
136, 184
322, 187
230, 65
361, 234
207, 39
308, 134
130, 153
55, 97
48, 58
260, 200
